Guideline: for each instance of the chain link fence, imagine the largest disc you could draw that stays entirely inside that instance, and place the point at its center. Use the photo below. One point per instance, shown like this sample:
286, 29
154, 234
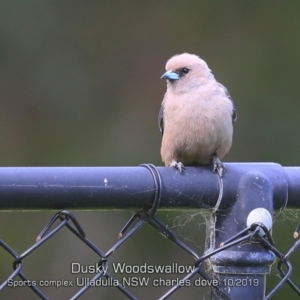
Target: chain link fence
200, 272
103, 278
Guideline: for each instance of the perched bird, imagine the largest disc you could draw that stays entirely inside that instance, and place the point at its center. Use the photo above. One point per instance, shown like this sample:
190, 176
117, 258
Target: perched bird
196, 116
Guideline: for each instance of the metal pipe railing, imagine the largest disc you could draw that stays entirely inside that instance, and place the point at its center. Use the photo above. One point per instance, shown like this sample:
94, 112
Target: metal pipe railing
28, 188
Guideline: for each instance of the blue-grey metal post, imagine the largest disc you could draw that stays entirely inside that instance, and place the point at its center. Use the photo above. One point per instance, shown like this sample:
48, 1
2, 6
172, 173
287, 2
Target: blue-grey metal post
241, 270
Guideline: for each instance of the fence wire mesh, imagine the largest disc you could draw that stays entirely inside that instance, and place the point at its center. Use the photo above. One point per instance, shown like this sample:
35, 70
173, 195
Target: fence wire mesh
198, 271
65, 219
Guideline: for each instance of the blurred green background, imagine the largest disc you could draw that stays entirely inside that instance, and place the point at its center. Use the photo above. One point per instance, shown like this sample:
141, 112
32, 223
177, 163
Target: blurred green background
79, 86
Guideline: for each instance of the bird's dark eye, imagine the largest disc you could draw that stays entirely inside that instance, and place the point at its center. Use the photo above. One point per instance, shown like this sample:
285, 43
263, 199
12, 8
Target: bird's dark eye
185, 70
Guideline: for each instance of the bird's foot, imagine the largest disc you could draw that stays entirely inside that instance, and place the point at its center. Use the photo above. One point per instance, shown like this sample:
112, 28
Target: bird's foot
177, 165
218, 166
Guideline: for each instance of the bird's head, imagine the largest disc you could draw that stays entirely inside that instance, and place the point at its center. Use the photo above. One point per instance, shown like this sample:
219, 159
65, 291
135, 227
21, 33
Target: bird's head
185, 72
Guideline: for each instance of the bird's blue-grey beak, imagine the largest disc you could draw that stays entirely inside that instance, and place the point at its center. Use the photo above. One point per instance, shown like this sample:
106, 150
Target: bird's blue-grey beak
170, 75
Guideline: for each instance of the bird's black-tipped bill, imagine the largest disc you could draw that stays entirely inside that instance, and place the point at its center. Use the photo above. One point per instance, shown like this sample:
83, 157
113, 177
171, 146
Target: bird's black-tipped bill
170, 75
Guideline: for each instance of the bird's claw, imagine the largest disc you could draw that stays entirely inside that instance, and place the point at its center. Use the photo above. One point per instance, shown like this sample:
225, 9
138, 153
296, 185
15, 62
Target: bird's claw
218, 166
177, 165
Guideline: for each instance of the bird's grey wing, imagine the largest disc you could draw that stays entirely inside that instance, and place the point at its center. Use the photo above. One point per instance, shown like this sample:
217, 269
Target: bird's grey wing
234, 113
161, 119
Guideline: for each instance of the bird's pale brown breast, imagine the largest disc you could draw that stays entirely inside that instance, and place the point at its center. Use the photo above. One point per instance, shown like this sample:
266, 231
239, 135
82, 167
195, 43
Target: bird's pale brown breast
197, 126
